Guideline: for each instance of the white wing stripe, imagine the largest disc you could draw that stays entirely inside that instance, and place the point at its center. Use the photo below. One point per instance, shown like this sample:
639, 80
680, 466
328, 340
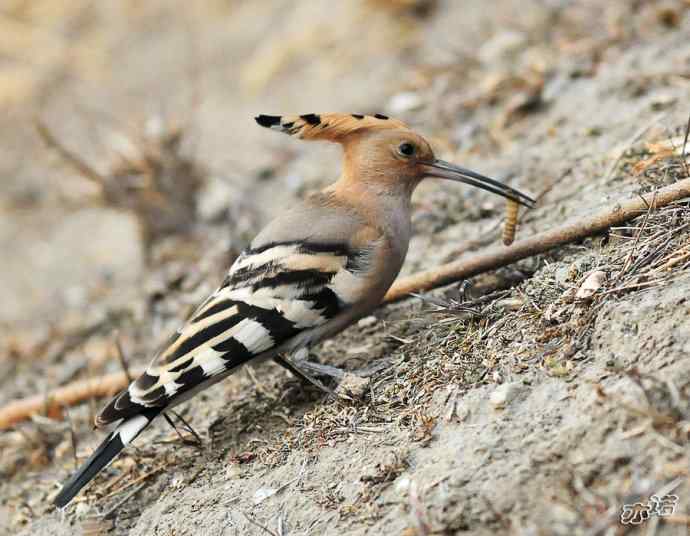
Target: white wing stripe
258, 259
210, 361
131, 427
253, 336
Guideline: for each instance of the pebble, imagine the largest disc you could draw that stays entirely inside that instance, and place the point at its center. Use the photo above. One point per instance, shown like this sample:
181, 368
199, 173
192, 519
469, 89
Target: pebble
262, 494
233, 472
367, 321
505, 394
81, 510
404, 102
510, 304
353, 386
591, 284
402, 486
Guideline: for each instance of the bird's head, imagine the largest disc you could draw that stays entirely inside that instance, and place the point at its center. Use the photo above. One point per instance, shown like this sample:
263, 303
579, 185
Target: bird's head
384, 152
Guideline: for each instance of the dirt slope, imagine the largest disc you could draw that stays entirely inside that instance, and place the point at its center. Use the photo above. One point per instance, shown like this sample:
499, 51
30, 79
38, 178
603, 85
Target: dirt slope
535, 413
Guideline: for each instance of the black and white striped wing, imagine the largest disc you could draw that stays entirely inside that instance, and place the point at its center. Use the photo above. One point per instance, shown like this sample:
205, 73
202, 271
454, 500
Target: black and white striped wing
270, 295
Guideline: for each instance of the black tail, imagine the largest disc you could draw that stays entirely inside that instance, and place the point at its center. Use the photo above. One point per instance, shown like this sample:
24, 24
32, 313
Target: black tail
118, 439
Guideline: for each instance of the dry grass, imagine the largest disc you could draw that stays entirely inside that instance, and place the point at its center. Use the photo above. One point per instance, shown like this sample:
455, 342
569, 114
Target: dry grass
149, 175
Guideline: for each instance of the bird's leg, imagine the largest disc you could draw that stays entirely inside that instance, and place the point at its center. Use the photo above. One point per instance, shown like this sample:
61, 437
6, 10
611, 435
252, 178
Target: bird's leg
188, 427
300, 361
197, 443
350, 386
298, 371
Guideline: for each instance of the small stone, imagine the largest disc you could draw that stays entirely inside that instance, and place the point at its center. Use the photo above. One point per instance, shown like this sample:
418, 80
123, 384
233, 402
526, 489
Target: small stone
367, 321
562, 274
404, 102
233, 472
261, 494
370, 473
402, 486
593, 282
662, 102
563, 518
504, 394
81, 510
510, 304
177, 482
353, 386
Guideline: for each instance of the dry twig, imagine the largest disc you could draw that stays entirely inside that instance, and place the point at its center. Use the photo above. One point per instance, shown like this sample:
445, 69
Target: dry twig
76, 162
67, 395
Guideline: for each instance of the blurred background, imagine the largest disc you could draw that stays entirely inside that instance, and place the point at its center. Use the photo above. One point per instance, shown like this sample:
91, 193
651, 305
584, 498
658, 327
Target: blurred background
132, 172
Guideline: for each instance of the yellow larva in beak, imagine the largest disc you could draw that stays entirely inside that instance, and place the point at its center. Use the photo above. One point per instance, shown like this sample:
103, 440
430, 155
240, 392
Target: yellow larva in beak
510, 225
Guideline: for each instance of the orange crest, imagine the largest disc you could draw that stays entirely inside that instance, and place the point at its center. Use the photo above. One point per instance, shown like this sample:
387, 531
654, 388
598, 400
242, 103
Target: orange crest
329, 127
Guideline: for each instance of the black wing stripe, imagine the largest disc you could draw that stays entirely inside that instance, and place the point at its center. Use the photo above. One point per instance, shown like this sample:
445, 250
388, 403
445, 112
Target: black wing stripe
325, 301
190, 378
120, 407
222, 305
279, 327
233, 349
296, 278
335, 248
146, 381
357, 259
155, 397
250, 273
183, 365
338, 249
201, 337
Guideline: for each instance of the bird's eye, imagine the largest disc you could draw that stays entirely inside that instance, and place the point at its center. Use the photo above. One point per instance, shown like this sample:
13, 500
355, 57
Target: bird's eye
406, 149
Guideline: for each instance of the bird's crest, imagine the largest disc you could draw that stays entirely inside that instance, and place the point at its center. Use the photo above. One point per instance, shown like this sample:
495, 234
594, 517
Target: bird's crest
329, 127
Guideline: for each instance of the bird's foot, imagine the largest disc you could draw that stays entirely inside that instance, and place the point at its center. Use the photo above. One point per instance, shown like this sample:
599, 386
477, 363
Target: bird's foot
349, 385
298, 370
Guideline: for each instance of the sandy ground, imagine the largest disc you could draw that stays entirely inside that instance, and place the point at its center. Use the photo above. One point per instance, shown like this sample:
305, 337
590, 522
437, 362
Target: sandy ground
536, 413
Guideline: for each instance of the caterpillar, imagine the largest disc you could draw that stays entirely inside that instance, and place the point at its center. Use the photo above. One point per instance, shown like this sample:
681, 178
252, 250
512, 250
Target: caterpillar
510, 225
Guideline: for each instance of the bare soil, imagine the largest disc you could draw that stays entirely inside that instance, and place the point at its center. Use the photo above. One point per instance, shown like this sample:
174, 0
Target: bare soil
529, 410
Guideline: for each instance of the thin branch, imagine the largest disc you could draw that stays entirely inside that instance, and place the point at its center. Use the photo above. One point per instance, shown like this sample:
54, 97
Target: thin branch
121, 357
73, 437
267, 531
68, 395
81, 167
123, 501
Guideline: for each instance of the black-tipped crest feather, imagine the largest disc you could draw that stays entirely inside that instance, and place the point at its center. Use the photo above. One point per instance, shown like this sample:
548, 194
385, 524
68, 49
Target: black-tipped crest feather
329, 127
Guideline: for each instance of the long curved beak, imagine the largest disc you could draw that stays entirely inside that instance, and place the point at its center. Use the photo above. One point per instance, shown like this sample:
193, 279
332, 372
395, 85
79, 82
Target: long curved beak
446, 170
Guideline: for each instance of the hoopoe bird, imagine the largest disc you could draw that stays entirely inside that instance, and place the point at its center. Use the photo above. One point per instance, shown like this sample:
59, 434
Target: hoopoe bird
311, 272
